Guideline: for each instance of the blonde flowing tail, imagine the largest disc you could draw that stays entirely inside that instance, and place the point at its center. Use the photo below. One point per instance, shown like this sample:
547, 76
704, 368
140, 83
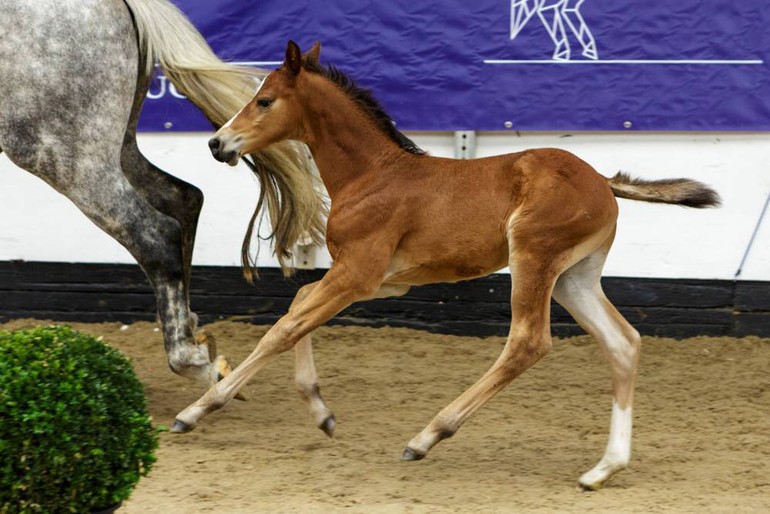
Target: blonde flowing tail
678, 191
288, 179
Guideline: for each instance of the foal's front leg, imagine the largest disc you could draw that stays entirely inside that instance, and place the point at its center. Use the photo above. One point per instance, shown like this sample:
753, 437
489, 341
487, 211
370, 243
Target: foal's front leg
339, 288
306, 376
306, 379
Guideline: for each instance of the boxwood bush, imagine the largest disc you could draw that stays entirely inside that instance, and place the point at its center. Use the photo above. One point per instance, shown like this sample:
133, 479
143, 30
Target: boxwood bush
74, 431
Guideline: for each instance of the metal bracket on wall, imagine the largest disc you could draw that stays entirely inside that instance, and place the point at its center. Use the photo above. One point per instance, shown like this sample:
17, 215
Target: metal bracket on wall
303, 256
465, 144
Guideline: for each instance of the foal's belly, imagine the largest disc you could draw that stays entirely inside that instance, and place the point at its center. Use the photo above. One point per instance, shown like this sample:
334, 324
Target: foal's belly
443, 264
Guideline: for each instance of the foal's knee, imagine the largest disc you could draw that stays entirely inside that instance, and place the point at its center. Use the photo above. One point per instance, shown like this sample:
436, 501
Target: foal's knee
531, 339
523, 349
281, 337
302, 293
538, 347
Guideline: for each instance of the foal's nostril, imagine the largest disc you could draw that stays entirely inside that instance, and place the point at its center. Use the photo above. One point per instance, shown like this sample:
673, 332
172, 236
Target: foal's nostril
214, 144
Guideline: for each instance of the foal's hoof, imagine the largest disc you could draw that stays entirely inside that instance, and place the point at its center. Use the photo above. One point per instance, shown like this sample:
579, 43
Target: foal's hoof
410, 454
180, 427
328, 425
589, 487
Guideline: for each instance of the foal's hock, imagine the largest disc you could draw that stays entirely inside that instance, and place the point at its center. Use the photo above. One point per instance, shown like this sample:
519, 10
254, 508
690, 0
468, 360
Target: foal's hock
401, 218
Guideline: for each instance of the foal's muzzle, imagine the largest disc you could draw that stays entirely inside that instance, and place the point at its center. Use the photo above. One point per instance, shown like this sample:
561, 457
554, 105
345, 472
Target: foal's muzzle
220, 153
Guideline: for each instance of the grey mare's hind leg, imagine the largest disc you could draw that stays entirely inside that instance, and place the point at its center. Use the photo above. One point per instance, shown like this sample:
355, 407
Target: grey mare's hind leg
68, 125
174, 198
167, 194
182, 202
179, 203
154, 240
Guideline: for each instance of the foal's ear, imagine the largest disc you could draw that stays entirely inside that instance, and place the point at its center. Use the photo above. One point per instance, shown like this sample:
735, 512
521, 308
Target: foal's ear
313, 54
293, 57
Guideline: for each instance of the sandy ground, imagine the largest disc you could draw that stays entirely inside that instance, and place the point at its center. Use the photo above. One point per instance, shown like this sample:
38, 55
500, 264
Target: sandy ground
702, 421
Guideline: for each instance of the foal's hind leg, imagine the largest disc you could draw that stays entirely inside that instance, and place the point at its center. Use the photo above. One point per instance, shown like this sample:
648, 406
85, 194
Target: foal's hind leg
579, 291
528, 341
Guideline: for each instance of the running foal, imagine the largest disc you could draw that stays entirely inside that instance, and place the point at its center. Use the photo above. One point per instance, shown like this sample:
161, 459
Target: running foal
401, 218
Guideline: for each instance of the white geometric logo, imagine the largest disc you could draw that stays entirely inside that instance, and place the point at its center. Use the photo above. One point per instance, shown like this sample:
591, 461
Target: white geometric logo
555, 14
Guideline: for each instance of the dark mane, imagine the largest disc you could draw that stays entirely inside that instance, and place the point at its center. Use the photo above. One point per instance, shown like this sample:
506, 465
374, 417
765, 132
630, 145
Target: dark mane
365, 100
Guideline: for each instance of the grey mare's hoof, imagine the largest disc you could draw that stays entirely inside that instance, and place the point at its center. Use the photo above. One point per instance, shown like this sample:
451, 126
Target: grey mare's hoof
180, 427
410, 454
224, 368
328, 425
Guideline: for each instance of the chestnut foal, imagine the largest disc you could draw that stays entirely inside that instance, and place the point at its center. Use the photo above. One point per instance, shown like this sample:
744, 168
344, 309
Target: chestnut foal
401, 218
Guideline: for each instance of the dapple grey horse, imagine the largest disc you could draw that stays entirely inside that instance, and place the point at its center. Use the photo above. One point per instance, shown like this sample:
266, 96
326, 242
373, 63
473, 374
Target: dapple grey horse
73, 77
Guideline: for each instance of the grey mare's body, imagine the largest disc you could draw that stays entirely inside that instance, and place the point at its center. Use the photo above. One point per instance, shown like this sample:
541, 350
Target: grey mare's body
72, 83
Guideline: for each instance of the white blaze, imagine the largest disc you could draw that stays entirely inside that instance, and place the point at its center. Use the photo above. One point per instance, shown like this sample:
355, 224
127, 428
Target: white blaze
259, 87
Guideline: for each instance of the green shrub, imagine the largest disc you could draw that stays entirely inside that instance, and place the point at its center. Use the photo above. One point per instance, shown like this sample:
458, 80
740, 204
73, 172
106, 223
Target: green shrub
74, 429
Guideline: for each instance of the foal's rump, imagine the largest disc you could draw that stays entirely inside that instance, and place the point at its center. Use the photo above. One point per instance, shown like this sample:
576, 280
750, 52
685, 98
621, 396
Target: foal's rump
561, 200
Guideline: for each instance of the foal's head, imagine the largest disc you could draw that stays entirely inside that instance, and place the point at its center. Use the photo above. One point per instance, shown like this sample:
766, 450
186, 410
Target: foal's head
273, 115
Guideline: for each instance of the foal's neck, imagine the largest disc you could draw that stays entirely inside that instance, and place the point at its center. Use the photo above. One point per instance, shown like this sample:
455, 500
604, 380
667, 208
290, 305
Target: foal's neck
345, 142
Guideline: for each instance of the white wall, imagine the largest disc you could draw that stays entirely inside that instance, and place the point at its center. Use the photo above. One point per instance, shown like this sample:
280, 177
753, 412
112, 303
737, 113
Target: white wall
37, 224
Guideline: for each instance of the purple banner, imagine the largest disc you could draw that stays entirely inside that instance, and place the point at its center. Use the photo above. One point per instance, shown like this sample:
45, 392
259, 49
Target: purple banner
512, 64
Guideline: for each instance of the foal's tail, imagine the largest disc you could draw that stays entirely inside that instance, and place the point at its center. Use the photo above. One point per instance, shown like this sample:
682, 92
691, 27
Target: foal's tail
287, 176
679, 191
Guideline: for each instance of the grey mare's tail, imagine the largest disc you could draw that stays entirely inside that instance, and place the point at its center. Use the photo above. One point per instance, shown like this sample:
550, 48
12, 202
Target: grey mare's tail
166, 35
287, 177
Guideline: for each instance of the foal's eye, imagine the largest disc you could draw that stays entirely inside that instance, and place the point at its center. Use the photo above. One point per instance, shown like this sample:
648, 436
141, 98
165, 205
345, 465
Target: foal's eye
264, 102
